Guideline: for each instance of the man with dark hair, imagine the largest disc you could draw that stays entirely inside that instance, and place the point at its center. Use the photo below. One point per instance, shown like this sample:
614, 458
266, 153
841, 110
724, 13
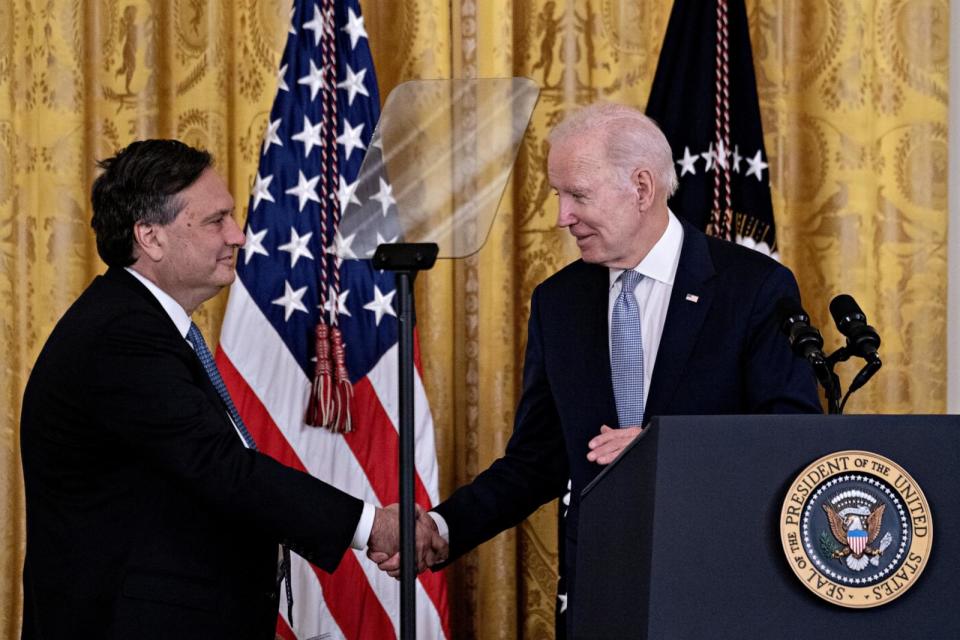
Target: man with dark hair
150, 514
141, 184
655, 319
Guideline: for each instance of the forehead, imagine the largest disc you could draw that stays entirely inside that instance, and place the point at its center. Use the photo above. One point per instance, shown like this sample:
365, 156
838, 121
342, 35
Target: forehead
207, 194
576, 156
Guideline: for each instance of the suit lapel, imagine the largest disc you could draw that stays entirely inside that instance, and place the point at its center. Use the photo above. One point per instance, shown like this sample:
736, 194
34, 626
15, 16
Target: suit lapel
690, 301
586, 347
597, 345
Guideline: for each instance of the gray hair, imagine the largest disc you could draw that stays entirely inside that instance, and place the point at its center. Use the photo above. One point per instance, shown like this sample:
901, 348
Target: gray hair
631, 139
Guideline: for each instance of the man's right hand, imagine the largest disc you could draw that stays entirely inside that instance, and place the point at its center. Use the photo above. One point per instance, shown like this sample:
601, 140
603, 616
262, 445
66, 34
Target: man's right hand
384, 545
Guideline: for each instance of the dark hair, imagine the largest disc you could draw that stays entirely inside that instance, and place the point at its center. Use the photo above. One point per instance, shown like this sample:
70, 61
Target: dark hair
141, 183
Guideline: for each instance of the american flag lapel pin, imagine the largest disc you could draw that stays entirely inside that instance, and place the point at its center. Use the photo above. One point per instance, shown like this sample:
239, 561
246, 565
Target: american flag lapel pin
693, 298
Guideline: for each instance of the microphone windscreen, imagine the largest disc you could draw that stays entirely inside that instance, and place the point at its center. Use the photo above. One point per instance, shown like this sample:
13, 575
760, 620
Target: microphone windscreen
844, 308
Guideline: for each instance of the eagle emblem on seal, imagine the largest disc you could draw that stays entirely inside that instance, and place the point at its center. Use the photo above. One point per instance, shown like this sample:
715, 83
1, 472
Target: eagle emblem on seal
855, 519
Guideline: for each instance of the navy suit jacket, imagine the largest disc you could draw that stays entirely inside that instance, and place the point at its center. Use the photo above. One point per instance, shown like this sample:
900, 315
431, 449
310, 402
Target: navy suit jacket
146, 515
720, 354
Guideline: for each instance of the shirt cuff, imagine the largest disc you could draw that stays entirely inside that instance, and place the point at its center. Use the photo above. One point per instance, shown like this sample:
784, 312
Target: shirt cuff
442, 527
362, 534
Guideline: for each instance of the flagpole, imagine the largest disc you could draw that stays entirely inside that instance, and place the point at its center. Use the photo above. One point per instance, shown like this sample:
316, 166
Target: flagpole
406, 260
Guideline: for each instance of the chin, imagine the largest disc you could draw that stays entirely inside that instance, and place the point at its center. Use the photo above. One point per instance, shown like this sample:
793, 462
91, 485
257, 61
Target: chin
226, 276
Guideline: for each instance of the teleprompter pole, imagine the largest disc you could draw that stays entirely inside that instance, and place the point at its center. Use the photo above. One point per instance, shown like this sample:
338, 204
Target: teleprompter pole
406, 260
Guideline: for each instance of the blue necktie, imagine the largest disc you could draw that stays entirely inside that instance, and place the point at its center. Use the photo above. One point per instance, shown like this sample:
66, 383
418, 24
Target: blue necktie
195, 338
626, 353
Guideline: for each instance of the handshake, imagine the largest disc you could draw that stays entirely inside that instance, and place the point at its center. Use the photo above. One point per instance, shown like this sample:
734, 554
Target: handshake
383, 546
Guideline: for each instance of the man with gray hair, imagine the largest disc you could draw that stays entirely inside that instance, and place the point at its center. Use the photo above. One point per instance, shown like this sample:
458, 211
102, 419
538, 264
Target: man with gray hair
655, 319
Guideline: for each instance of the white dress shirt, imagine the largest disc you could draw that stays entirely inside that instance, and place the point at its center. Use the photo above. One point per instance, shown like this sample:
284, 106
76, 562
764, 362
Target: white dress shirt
659, 269
182, 321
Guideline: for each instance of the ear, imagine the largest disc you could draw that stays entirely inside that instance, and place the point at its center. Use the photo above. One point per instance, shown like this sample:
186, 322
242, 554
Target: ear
646, 187
149, 240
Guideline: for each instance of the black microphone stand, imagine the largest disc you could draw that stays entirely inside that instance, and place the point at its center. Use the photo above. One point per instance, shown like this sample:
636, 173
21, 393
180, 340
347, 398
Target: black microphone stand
831, 384
834, 404
842, 355
406, 260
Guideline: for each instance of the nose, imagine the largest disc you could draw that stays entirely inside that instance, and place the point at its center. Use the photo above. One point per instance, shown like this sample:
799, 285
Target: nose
233, 235
565, 215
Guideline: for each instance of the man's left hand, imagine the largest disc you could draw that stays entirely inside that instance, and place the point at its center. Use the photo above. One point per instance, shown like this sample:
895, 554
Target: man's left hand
605, 447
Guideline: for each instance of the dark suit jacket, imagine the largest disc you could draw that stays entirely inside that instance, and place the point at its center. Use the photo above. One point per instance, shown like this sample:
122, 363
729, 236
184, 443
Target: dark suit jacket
722, 354
146, 515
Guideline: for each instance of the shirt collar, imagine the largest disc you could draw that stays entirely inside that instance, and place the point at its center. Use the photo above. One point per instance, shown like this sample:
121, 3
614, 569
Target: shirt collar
661, 261
171, 306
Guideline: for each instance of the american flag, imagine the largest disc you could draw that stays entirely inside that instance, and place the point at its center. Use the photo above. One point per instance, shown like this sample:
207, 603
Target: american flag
267, 342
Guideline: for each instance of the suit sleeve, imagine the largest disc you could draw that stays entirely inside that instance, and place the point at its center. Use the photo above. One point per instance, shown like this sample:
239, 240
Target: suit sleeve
532, 471
776, 381
144, 393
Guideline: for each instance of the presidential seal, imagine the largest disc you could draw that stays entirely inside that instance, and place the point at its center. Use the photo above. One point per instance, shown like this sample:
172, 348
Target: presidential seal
856, 529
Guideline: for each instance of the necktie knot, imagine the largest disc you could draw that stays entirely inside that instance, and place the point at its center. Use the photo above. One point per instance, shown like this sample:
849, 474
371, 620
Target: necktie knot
629, 280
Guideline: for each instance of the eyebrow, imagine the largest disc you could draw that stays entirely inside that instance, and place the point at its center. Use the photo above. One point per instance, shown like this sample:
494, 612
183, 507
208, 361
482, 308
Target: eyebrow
220, 213
572, 188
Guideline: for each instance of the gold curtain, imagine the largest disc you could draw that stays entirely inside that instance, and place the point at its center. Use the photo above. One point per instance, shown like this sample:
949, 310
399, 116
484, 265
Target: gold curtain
854, 101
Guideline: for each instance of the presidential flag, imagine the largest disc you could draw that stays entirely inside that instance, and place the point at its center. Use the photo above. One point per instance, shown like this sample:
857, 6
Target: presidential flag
290, 278
704, 97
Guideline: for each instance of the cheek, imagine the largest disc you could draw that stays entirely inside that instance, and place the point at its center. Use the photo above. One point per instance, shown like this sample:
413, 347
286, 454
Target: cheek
624, 214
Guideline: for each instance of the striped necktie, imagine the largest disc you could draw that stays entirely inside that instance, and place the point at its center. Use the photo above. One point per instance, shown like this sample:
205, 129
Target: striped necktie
626, 352
195, 338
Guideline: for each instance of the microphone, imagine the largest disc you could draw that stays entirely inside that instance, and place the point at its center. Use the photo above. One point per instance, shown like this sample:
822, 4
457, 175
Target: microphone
862, 339
805, 341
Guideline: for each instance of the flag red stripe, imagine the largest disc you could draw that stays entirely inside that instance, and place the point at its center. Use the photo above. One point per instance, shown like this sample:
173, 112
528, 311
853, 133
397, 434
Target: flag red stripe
376, 445
346, 591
